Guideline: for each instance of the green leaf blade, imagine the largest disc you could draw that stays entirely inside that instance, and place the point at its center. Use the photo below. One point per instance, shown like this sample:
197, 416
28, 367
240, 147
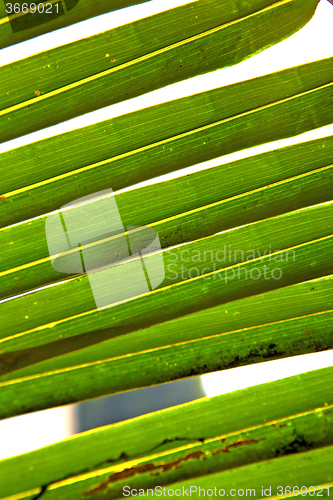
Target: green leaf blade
146, 55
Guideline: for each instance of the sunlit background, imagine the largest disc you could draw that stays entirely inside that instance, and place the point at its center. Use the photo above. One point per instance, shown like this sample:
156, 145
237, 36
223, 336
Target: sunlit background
313, 42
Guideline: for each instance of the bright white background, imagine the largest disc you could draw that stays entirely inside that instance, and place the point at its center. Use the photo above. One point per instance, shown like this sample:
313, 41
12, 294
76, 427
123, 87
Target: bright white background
314, 41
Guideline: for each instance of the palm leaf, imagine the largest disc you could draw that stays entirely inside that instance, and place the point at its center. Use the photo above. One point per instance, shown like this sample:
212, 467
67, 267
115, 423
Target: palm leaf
73, 164
55, 351
223, 441
140, 57
278, 179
